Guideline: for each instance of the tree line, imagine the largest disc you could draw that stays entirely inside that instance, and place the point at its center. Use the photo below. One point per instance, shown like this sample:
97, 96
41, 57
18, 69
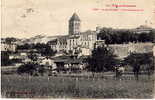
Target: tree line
43, 49
112, 36
103, 59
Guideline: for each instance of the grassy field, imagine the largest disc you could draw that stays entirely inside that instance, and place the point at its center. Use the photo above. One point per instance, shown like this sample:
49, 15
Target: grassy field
75, 87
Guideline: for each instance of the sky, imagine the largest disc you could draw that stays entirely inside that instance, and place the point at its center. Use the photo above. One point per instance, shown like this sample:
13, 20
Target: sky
28, 18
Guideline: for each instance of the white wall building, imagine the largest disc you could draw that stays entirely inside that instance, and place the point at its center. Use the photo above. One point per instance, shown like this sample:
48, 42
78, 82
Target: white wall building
8, 47
82, 40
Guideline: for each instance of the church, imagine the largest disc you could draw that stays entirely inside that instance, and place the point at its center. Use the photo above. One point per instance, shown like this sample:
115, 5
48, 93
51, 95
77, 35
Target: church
76, 41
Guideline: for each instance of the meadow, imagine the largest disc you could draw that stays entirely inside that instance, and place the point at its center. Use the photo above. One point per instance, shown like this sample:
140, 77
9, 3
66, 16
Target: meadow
15, 86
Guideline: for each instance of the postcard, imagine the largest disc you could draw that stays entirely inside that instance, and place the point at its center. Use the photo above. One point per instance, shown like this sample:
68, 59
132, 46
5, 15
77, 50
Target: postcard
78, 49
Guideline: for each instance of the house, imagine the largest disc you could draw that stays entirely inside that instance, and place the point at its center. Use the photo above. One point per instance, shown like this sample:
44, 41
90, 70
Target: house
68, 63
59, 44
48, 62
142, 29
53, 44
8, 46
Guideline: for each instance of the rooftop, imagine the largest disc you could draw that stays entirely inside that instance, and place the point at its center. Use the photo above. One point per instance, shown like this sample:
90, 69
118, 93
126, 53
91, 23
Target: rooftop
75, 17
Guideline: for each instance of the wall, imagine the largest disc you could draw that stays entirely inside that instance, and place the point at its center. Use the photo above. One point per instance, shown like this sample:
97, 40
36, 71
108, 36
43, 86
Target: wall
123, 50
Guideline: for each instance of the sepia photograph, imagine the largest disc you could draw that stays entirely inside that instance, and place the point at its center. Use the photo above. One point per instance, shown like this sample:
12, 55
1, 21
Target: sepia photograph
78, 49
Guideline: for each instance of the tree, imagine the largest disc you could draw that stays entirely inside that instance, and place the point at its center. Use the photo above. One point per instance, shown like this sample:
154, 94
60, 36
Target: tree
31, 69
47, 51
105, 34
144, 37
10, 40
28, 68
112, 36
32, 55
5, 58
25, 46
101, 60
137, 59
44, 49
152, 36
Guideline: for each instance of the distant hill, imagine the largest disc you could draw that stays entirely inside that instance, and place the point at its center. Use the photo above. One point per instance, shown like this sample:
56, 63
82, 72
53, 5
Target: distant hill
39, 39
35, 39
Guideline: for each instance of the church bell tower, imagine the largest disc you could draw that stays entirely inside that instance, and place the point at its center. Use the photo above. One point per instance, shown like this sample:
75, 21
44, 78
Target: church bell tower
74, 24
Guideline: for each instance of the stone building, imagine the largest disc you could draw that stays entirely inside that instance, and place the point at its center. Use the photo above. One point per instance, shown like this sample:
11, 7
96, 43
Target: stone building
53, 44
87, 40
84, 41
142, 29
59, 44
73, 42
74, 24
8, 46
62, 43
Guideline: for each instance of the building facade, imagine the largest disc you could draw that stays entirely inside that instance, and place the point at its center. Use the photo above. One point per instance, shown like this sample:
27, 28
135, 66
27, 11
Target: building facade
76, 40
85, 42
8, 47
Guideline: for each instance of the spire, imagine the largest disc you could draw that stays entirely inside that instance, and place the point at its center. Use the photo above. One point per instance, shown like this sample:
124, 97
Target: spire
75, 17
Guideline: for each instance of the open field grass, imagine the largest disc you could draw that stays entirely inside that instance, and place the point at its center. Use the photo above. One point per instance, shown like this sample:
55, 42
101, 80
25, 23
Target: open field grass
75, 87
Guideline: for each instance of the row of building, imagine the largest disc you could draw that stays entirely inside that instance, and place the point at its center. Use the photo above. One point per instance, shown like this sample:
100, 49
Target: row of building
83, 42
76, 40
7, 46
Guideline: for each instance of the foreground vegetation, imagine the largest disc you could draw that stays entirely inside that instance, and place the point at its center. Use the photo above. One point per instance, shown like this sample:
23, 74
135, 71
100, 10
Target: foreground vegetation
75, 87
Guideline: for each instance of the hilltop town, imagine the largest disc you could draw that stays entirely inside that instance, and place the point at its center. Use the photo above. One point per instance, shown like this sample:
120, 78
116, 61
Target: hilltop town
86, 41
79, 44
72, 61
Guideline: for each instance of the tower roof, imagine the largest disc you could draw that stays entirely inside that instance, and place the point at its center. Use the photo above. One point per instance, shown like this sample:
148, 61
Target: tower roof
75, 17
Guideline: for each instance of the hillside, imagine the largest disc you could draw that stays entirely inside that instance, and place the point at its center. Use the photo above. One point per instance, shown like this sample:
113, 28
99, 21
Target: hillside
39, 39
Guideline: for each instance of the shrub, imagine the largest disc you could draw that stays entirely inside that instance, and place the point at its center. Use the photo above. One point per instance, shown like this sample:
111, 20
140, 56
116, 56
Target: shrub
31, 69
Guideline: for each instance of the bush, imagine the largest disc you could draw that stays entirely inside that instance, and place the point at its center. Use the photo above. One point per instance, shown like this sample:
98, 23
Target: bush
31, 69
